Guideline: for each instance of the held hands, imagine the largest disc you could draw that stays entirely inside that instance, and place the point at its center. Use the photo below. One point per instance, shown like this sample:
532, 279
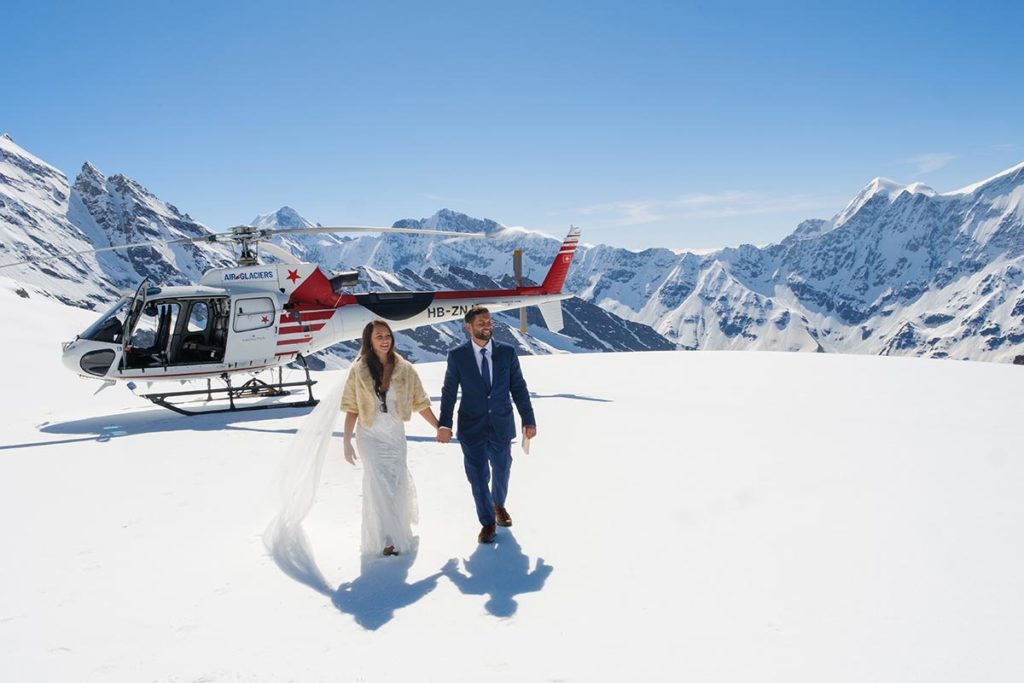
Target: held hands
444, 434
350, 453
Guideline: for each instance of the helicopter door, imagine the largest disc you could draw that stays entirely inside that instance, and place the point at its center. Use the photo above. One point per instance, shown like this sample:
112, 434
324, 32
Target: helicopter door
253, 330
204, 332
132, 318
153, 336
135, 310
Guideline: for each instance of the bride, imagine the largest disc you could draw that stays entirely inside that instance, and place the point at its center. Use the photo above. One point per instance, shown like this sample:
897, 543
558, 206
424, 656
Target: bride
381, 392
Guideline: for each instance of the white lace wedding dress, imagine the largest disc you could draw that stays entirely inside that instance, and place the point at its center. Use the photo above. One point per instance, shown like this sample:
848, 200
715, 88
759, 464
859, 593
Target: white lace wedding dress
389, 495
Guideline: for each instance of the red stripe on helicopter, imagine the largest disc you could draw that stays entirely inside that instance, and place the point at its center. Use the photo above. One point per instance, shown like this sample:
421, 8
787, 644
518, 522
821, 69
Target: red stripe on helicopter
285, 342
300, 329
315, 314
305, 317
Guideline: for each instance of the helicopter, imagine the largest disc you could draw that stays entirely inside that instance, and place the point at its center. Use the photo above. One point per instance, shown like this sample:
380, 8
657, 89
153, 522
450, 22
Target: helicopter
256, 317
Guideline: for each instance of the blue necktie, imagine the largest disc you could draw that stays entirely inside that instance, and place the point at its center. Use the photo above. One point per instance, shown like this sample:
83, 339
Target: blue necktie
485, 370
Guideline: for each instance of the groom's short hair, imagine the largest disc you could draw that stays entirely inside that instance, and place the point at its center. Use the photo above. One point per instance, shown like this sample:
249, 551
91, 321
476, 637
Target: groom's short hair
472, 313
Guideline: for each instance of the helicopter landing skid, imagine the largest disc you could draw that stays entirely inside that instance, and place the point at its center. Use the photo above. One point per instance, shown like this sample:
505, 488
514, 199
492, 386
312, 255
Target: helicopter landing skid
253, 388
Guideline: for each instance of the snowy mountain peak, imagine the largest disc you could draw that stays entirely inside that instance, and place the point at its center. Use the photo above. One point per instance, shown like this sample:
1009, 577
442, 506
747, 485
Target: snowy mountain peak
285, 217
920, 188
891, 189
11, 149
36, 207
90, 171
90, 181
446, 219
880, 187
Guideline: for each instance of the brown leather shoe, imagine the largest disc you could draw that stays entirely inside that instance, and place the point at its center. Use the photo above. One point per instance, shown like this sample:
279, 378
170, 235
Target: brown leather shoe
487, 534
502, 516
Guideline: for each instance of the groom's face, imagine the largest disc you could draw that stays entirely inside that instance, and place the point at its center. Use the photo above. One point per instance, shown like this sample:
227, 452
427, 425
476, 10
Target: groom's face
481, 327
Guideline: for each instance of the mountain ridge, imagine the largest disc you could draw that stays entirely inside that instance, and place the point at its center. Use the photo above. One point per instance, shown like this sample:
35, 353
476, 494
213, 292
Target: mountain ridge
901, 270
99, 211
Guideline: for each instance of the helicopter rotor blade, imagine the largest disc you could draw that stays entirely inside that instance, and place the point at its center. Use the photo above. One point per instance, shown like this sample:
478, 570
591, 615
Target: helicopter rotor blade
370, 228
280, 253
82, 252
245, 234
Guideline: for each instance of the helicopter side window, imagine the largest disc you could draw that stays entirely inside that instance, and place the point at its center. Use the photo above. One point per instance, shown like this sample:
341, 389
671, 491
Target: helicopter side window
110, 326
253, 314
198, 317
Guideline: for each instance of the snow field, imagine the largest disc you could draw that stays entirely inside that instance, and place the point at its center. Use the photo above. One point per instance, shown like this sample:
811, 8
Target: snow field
713, 516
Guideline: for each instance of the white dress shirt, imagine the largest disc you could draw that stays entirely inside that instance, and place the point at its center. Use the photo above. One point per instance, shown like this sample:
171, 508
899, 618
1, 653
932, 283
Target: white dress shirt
490, 358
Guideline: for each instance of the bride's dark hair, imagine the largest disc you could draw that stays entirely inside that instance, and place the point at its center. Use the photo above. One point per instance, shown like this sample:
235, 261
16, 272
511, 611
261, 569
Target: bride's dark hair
380, 373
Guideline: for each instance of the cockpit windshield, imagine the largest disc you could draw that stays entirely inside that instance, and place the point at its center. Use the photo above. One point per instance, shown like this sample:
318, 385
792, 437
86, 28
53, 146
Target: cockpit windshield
110, 326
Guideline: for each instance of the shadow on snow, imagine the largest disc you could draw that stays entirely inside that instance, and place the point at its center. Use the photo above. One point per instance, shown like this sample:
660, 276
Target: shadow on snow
381, 589
106, 427
501, 571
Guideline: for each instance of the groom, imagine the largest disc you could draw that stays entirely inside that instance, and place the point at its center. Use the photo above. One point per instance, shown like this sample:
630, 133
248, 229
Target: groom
489, 374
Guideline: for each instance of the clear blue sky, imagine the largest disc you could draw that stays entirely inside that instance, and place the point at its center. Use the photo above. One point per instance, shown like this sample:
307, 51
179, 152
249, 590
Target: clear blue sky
677, 124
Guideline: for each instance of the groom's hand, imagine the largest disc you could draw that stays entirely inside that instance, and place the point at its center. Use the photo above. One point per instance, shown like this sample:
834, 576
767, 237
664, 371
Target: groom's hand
444, 434
529, 431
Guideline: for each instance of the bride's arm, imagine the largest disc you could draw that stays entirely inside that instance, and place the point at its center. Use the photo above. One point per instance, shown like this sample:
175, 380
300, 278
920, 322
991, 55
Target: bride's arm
350, 425
428, 415
420, 398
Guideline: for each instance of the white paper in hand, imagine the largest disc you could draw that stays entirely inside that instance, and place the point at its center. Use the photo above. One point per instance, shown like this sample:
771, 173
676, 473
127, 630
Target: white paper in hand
526, 443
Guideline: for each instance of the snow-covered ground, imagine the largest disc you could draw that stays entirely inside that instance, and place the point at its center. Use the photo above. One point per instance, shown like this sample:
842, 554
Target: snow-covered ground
715, 516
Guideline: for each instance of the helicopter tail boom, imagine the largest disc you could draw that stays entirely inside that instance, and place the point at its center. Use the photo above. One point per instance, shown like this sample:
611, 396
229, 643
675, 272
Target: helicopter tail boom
405, 310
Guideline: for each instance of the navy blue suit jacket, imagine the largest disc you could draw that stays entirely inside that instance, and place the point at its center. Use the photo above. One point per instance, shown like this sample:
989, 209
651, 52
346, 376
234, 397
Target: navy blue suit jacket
480, 412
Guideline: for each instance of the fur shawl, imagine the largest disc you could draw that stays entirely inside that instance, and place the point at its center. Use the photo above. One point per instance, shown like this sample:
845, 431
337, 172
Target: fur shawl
360, 398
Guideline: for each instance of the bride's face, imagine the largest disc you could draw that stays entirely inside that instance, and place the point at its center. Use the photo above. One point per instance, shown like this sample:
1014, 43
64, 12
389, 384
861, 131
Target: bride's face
381, 340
